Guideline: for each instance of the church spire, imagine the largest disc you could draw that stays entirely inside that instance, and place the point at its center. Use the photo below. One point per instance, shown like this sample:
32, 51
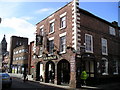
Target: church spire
3, 45
4, 39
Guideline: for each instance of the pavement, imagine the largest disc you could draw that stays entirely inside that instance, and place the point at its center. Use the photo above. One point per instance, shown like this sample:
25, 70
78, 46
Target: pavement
108, 86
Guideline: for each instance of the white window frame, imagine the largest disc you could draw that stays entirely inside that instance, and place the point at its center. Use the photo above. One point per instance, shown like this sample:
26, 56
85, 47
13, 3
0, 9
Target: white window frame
40, 51
63, 20
106, 66
51, 49
116, 65
91, 38
112, 30
103, 40
52, 22
20, 51
63, 35
42, 30
17, 52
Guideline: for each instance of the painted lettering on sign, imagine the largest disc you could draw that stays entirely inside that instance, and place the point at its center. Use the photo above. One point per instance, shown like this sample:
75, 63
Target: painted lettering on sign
50, 58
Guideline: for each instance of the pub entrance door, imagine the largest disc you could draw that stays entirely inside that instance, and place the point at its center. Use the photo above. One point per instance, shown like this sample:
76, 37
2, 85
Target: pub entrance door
63, 72
50, 72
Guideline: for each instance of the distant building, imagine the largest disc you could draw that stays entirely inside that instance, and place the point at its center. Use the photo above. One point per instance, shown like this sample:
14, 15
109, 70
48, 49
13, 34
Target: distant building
3, 50
16, 41
31, 58
6, 61
3, 46
20, 59
72, 40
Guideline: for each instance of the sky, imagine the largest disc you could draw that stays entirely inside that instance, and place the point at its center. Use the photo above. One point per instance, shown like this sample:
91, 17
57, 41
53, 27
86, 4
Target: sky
20, 18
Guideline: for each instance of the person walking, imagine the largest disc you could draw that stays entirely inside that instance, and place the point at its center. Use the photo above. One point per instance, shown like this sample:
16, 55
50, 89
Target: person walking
84, 76
24, 76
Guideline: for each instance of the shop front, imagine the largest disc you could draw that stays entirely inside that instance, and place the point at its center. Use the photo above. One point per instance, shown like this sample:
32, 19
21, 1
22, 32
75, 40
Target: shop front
88, 63
53, 70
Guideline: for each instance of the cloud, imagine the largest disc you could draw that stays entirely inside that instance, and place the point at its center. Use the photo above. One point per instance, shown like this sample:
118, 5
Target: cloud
17, 26
43, 10
27, 18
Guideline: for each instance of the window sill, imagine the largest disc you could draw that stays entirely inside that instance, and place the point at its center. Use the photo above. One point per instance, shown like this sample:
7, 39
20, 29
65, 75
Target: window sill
115, 73
104, 73
62, 52
51, 32
50, 54
40, 56
104, 54
62, 28
89, 51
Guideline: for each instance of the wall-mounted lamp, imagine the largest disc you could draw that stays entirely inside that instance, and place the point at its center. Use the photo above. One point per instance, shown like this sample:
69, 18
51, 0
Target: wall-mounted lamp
72, 49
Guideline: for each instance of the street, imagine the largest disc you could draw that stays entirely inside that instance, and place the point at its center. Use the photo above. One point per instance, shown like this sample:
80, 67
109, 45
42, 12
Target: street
18, 84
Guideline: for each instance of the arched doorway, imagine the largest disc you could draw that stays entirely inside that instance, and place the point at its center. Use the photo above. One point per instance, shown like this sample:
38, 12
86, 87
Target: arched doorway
50, 72
63, 72
39, 71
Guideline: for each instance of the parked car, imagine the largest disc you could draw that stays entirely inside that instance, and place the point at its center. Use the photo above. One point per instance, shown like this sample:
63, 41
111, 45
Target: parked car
5, 79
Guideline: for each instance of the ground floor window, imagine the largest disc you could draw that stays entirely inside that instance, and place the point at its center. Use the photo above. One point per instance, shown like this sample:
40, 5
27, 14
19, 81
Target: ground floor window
115, 66
104, 66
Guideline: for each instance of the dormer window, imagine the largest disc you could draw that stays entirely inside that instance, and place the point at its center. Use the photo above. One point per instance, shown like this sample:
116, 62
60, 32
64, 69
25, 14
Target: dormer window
112, 30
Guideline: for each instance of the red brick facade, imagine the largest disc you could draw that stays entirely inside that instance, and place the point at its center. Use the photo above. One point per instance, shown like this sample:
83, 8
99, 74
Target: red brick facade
67, 66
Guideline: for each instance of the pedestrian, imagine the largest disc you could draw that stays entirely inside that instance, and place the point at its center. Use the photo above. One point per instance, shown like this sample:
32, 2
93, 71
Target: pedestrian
41, 78
84, 76
24, 76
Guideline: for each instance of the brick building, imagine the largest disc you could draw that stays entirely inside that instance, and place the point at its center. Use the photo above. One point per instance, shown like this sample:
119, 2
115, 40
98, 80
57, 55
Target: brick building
20, 59
71, 40
16, 41
31, 58
5, 61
